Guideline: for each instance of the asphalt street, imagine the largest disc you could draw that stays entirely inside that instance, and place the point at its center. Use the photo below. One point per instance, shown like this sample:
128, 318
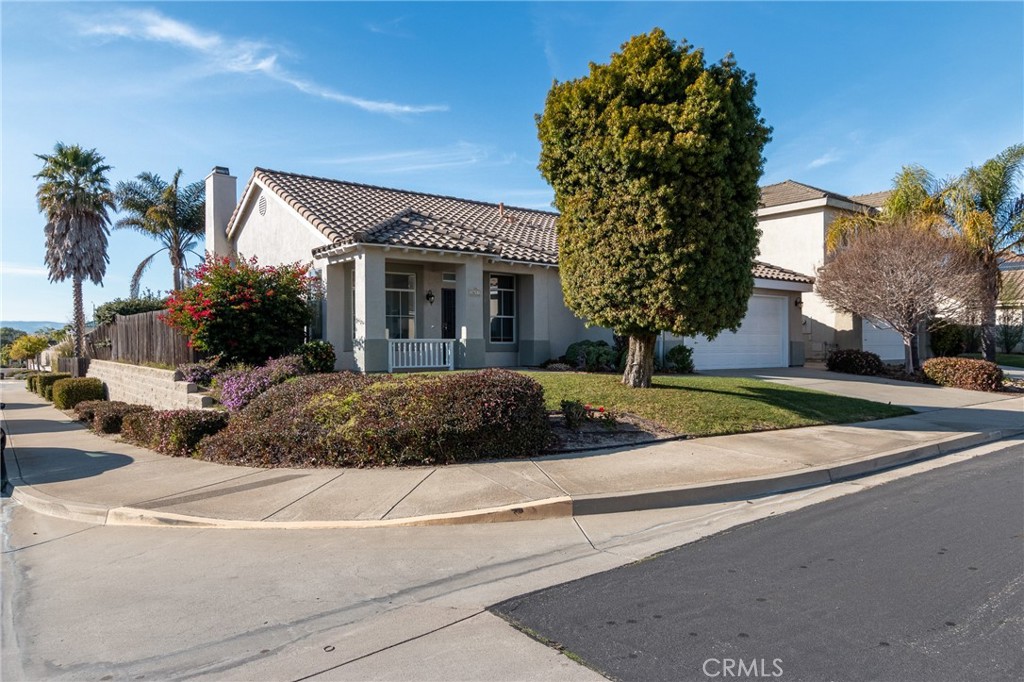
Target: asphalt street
920, 579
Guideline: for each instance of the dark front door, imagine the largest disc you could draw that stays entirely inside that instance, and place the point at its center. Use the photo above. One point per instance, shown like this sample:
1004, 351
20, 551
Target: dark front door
447, 313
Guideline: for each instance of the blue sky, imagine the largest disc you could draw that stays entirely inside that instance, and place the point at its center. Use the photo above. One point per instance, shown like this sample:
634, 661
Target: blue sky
441, 97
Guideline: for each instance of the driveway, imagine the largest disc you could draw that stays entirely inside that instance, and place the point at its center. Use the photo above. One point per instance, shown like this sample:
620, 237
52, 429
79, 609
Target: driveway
918, 397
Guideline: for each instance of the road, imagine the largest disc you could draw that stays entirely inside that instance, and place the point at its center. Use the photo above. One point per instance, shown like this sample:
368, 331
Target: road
87, 602
920, 579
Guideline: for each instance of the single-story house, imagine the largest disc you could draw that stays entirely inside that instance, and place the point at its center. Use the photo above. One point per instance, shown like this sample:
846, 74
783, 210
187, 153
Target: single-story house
416, 280
794, 219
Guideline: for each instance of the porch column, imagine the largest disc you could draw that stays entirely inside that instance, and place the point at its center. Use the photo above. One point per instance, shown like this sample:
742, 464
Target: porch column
370, 344
469, 314
336, 309
534, 332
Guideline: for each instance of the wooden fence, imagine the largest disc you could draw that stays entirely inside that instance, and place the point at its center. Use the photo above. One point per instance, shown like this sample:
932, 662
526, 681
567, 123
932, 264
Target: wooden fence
139, 339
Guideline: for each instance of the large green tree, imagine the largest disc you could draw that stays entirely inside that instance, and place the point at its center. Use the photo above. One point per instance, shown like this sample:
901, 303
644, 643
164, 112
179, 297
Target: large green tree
74, 195
983, 208
655, 159
171, 214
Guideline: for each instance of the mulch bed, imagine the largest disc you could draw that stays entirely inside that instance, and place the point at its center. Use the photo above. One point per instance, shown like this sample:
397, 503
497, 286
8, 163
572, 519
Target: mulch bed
628, 429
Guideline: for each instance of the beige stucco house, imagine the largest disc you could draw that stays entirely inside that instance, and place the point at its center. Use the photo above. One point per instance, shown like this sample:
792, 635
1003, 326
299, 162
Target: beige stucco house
794, 219
417, 280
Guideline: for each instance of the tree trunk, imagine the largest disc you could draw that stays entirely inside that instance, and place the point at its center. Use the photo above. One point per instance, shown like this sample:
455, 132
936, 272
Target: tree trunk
908, 353
990, 297
640, 361
915, 351
78, 328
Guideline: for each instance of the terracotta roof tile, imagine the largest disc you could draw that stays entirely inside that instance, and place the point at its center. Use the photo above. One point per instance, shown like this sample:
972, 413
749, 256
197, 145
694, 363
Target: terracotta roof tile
767, 271
874, 199
347, 212
792, 192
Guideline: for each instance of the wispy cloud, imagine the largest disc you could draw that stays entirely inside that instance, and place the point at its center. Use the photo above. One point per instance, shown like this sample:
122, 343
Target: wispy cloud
392, 28
19, 270
831, 156
412, 160
229, 55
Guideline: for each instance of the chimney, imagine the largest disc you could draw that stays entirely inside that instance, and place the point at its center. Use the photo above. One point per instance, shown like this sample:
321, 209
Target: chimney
221, 197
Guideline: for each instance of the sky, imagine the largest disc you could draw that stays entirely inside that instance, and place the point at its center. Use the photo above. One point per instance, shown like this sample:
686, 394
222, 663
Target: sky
441, 97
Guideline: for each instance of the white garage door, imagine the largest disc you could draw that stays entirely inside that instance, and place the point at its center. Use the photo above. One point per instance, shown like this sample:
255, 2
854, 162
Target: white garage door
762, 340
882, 341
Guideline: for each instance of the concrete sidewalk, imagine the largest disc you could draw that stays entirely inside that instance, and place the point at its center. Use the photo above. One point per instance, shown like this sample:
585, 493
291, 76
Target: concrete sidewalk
60, 468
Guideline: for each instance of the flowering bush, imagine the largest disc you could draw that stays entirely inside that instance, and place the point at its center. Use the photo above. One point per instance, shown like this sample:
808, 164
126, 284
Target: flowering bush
236, 388
243, 311
201, 373
574, 412
317, 356
854, 362
974, 375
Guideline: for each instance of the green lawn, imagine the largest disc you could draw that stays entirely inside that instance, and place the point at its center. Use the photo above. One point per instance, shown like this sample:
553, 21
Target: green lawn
705, 406
1007, 359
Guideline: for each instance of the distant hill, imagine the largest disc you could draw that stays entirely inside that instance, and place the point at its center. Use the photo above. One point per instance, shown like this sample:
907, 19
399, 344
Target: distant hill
31, 326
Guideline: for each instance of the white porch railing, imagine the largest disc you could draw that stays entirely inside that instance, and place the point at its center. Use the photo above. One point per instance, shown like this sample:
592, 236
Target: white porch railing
421, 354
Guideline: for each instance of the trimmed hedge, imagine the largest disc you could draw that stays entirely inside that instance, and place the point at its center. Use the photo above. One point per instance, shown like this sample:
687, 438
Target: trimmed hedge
591, 355
349, 419
86, 409
172, 432
30, 382
69, 392
973, 375
45, 382
854, 362
108, 417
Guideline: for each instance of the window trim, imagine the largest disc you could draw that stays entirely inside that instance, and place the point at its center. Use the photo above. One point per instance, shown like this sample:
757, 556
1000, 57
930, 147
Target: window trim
515, 309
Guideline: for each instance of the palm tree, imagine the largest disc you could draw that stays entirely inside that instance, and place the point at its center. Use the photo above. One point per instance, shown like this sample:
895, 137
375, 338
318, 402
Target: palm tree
983, 208
171, 214
986, 208
74, 195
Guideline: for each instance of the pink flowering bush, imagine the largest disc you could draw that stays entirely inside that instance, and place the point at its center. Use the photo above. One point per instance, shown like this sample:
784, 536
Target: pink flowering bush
237, 387
243, 311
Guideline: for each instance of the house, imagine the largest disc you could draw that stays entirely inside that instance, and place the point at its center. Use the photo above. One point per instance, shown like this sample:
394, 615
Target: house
1010, 308
415, 280
794, 219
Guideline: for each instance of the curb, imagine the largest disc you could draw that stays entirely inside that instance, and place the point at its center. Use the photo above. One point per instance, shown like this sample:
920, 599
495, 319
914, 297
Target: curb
556, 507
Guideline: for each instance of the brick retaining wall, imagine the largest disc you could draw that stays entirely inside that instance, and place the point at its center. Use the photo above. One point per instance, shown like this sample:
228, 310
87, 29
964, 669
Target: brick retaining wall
147, 386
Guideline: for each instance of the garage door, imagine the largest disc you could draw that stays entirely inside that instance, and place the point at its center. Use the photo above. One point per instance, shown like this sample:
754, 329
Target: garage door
762, 339
882, 341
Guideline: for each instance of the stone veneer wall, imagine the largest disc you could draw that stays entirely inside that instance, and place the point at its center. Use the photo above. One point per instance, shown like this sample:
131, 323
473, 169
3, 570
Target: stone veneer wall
147, 386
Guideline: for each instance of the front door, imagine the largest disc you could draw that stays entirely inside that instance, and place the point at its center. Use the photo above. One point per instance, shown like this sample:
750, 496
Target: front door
447, 313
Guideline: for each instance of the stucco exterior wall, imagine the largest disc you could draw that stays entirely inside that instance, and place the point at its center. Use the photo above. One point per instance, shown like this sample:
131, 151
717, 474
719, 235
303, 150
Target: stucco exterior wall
277, 236
147, 386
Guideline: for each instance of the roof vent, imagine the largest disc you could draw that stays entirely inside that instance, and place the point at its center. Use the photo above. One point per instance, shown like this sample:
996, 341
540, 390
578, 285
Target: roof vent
263, 205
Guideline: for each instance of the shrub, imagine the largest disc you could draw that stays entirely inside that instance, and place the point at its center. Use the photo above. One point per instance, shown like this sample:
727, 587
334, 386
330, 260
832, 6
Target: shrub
45, 382
86, 410
948, 339
558, 367
202, 372
574, 413
349, 419
974, 375
852, 361
236, 388
242, 311
317, 356
106, 313
69, 392
273, 430
173, 432
591, 355
109, 417
30, 382
1010, 333
680, 359
441, 419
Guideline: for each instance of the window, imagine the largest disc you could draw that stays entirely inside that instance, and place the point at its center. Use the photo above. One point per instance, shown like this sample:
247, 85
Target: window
503, 309
400, 305
448, 277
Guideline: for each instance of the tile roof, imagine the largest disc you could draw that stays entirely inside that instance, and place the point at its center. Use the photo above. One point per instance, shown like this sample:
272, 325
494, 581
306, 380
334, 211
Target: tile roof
347, 212
792, 192
766, 271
